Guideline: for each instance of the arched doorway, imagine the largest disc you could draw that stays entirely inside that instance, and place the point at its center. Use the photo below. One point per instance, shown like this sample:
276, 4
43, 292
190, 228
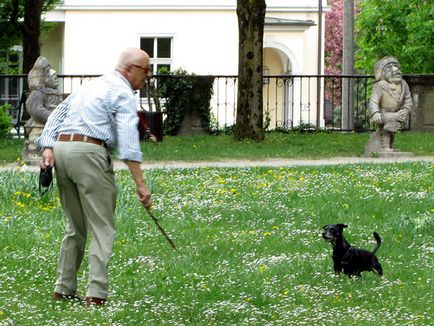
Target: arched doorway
278, 90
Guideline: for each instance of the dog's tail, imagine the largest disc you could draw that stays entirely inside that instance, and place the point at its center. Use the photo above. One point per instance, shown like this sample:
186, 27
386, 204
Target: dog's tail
378, 239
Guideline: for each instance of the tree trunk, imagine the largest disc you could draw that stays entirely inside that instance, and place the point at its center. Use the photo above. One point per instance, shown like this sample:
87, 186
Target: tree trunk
249, 121
31, 29
31, 32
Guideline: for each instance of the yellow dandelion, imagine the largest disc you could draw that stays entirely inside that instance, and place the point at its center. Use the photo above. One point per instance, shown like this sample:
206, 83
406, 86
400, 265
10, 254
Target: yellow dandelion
252, 232
20, 204
262, 268
266, 234
275, 227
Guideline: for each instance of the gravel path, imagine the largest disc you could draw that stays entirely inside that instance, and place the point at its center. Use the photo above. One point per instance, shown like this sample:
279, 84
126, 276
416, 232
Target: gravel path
244, 163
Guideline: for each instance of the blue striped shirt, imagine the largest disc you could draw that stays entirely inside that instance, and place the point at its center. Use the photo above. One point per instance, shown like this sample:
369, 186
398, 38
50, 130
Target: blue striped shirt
104, 108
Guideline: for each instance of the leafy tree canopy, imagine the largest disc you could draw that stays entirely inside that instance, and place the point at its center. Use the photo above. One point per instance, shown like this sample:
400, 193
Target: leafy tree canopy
400, 28
12, 26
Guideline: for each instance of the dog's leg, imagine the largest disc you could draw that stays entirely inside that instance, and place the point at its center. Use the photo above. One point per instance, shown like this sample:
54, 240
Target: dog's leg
337, 266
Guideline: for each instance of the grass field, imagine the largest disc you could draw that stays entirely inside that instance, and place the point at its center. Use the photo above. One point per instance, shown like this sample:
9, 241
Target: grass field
276, 145
250, 248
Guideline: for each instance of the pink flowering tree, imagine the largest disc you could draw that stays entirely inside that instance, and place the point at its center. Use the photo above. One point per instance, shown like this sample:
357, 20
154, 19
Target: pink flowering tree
333, 59
334, 37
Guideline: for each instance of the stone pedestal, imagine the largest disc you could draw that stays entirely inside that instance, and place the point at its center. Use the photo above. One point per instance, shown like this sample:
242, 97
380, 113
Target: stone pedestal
31, 155
374, 148
192, 125
422, 90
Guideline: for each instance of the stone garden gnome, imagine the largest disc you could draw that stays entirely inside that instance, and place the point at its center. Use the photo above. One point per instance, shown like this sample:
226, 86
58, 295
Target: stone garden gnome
43, 99
390, 104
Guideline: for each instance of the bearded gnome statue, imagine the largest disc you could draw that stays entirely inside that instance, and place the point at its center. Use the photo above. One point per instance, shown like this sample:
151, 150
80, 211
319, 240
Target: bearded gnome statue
390, 105
43, 99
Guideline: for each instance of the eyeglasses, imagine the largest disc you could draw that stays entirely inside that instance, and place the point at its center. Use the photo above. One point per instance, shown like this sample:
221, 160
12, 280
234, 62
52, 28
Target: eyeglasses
145, 69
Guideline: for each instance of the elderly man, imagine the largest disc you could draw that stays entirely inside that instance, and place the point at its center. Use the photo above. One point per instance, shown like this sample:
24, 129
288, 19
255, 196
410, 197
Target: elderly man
390, 101
77, 140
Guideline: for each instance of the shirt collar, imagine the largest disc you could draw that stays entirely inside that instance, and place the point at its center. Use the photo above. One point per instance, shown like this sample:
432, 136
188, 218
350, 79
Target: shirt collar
119, 75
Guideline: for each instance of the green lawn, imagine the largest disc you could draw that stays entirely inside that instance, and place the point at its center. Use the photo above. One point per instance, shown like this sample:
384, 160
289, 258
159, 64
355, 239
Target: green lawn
250, 248
276, 145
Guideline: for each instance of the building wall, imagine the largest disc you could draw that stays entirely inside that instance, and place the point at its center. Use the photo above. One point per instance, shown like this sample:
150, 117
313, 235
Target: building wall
205, 39
205, 33
52, 46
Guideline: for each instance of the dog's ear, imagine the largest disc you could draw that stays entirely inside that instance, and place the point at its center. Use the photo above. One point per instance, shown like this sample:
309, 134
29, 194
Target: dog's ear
342, 226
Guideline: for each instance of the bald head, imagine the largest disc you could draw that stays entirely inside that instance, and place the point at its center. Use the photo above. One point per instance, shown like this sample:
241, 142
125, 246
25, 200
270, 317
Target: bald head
132, 56
133, 64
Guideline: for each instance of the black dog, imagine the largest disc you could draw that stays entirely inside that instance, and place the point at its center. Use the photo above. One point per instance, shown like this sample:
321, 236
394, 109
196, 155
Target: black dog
351, 260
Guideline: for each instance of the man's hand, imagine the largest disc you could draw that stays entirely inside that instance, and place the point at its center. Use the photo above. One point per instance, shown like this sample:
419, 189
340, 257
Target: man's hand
142, 191
152, 137
144, 196
47, 158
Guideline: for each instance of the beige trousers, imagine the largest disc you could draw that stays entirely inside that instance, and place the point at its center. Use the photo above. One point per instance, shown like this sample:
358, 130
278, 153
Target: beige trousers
86, 182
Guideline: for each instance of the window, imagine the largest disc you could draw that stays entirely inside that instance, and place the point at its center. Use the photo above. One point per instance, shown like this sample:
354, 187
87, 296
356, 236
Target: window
160, 51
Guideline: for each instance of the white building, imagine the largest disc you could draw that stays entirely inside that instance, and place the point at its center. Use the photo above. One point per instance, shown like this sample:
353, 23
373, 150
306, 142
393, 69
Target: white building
200, 36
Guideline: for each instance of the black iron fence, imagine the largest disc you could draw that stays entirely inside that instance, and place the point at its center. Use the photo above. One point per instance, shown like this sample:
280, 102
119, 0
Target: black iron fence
289, 101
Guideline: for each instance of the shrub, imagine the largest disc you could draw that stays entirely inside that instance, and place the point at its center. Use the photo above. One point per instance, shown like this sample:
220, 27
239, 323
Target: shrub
185, 92
5, 120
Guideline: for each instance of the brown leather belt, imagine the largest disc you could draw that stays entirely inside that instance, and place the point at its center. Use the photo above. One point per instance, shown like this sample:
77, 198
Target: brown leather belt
82, 138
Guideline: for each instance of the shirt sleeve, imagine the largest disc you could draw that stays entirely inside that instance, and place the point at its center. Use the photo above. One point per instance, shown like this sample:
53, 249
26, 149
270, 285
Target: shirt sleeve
127, 133
55, 119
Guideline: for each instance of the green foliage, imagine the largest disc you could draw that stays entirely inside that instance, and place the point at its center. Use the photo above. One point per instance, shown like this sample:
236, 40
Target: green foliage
184, 93
11, 29
5, 120
401, 28
11, 149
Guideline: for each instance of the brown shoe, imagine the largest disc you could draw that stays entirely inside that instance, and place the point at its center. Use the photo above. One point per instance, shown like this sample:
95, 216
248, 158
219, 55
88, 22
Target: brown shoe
90, 301
60, 296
